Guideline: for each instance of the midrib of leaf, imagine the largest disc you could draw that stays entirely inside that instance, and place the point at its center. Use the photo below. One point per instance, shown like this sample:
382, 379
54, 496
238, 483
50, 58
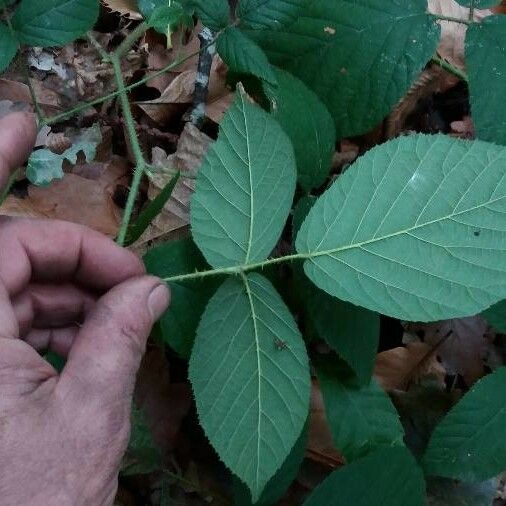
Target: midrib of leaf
257, 343
252, 207
330, 252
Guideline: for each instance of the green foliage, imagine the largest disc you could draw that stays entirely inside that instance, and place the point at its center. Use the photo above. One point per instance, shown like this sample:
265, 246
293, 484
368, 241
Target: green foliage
189, 299
244, 189
414, 229
308, 124
360, 58
44, 166
8, 45
143, 456
469, 443
361, 418
53, 22
250, 377
496, 316
269, 14
486, 59
388, 476
215, 14
443, 492
244, 56
166, 17
279, 483
153, 209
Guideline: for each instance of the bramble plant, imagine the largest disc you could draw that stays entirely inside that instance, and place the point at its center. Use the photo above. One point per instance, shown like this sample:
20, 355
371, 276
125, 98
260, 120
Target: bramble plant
414, 230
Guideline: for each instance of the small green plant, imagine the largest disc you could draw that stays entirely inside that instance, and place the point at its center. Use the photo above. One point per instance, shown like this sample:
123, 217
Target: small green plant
414, 229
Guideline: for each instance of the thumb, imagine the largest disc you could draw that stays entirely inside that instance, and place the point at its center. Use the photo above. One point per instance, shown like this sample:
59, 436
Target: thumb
108, 349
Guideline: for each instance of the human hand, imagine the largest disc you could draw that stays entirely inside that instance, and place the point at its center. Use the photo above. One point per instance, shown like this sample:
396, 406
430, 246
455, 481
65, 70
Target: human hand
65, 288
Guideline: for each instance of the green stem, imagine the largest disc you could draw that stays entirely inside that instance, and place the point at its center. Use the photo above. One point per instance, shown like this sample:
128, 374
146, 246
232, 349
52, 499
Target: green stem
450, 68
136, 148
131, 39
237, 269
87, 105
452, 19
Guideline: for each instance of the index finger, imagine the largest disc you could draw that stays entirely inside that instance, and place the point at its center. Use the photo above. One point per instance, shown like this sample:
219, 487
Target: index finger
18, 132
59, 252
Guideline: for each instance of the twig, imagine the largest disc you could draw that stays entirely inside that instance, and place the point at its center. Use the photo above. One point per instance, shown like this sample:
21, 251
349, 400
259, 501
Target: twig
136, 148
452, 19
197, 115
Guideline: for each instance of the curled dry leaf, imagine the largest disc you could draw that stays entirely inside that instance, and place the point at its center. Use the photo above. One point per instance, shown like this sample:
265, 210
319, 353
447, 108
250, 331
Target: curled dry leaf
181, 89
396, 369
127, 8
461, 344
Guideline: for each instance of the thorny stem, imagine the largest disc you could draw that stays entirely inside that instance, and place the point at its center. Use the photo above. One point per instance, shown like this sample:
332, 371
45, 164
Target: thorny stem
450, 68
237, 269
136, 148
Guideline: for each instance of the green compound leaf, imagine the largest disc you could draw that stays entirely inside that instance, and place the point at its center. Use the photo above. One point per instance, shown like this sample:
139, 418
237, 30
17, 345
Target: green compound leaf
243, 56
414, 229
387, 43
54, 22
496, 316
215, 14
308, 124
189, 299
388, 477
244, 188
250, 375
8, 46
486, 61
361, 418
469, 443
269, 14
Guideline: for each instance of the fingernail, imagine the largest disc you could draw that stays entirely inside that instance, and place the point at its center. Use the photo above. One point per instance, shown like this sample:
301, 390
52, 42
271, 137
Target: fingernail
158, 301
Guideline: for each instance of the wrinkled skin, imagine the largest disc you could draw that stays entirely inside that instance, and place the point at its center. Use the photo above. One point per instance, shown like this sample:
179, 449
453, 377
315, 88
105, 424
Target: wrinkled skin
65, 288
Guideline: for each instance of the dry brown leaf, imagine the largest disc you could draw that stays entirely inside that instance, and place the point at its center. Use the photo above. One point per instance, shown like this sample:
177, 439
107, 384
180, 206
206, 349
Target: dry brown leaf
126, 8
460, 343
181, 89
160, 57
75, 198
396, 369
19, 94
320, 446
